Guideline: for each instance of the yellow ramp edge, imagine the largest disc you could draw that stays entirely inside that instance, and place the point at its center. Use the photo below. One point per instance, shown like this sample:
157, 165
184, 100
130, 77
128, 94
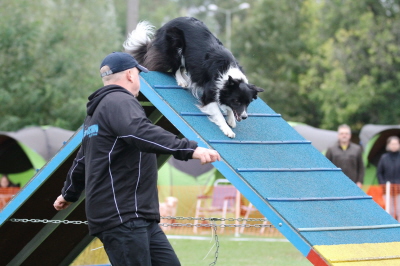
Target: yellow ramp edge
361, 254
369, 263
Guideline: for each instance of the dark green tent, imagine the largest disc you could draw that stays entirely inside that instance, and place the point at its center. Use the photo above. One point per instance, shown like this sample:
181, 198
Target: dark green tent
321, 139
25, 151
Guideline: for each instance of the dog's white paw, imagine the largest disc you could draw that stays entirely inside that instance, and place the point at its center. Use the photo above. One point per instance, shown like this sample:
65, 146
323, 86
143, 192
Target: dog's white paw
231, 121
183, 84
228, 132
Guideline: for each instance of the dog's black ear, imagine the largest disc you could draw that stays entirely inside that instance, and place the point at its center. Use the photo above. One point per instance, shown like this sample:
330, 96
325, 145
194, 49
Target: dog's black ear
231, 81
255, 90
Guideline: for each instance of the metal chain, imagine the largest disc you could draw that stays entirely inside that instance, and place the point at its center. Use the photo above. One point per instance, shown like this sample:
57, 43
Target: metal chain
214, 219
165, 224
212, 224
215, 225
216, 244
15, 220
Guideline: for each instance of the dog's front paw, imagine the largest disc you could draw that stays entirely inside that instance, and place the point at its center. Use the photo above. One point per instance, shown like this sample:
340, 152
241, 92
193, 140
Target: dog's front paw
228, 131
231, 121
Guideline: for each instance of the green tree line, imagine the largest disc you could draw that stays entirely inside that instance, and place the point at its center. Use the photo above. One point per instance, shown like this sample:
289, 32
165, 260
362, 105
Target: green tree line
321, 62
325, 62
50, 52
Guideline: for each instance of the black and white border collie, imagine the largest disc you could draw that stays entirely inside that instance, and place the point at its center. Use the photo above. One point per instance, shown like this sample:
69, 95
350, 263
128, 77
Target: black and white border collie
200, 62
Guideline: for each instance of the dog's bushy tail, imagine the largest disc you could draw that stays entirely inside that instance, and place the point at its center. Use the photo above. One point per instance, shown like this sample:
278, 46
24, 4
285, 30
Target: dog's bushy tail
138, 40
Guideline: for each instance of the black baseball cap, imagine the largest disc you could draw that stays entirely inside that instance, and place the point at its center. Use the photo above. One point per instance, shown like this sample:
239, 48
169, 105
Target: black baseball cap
119, 61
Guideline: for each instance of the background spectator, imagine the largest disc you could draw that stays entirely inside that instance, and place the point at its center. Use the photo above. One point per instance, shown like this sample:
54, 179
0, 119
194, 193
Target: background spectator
5, 182
347, 156
389, 164
389, 170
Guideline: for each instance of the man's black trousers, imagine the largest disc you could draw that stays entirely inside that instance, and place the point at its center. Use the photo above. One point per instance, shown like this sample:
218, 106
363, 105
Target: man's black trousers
138, 242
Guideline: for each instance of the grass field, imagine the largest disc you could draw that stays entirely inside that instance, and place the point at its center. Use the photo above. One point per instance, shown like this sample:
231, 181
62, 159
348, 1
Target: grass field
193, 250
238, 251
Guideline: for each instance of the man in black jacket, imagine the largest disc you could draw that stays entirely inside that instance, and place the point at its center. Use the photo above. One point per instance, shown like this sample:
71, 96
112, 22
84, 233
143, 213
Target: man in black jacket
117, 167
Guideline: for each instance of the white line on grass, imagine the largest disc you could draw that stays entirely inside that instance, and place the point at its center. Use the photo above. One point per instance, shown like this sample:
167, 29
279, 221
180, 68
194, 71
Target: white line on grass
229, 239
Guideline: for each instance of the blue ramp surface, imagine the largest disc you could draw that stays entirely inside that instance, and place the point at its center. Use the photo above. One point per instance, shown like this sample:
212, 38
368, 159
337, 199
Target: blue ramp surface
299, 190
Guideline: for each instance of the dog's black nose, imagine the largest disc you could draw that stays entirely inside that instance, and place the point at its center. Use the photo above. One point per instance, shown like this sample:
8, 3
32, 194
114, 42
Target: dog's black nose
244, 117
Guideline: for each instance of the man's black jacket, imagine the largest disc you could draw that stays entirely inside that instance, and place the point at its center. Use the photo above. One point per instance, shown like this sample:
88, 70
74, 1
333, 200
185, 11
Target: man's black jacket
116, 164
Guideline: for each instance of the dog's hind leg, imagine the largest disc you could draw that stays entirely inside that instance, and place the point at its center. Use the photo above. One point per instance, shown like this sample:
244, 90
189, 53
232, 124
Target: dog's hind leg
215, 115
186, 77
181, 78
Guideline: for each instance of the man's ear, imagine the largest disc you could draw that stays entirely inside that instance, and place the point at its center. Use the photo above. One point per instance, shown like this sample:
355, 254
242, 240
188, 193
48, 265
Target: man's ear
130, 75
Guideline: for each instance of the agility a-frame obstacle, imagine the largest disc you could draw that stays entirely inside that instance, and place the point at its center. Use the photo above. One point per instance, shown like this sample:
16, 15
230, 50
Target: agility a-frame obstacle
310, 201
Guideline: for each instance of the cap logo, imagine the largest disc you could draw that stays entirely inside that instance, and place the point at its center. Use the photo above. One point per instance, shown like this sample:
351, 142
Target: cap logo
109, 72
118, 62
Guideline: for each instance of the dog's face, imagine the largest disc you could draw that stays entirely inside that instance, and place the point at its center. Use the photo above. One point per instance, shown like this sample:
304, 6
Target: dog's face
237, 95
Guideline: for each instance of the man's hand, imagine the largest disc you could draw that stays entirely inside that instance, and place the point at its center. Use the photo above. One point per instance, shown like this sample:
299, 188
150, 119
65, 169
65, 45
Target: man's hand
61, 203
206, 155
